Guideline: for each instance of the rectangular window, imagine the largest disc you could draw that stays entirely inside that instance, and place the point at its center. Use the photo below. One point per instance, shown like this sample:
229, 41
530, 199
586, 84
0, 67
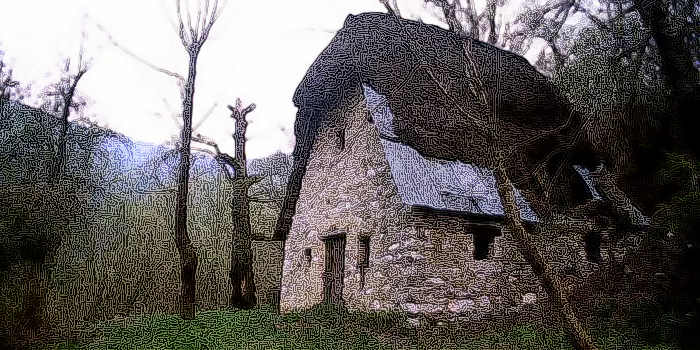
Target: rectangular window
482, 242
420, 232
307, 255
363, 252
341, 138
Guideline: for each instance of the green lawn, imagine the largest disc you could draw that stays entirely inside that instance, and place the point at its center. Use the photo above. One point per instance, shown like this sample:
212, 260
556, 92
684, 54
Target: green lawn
322, 328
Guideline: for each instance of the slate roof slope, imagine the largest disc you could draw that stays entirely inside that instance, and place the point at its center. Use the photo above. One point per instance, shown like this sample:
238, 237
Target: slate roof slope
637, 218
437, 184
451, 185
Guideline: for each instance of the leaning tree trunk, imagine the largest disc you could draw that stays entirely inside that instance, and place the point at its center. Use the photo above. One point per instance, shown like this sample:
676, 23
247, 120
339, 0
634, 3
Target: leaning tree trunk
551, 281
188, 255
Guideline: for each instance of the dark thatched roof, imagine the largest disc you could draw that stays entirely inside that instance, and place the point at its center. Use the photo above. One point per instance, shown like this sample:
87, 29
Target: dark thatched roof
424, 72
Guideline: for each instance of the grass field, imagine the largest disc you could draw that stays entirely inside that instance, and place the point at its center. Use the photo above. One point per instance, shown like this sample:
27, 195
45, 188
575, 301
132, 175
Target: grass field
323, 328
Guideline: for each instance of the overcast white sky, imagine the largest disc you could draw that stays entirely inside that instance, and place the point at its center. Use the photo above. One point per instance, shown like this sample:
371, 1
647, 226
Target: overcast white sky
258, 51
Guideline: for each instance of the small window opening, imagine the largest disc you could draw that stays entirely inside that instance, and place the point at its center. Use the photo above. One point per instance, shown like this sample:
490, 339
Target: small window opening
363, 250
341, 138
482, 243
307, 255
363, 258
593, 247
420, 232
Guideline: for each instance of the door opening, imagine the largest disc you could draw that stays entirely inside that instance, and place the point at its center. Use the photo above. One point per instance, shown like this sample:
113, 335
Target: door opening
334, 270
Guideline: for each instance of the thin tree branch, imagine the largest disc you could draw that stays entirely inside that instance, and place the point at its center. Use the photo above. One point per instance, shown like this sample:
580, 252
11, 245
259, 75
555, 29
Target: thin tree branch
238, 168
181, 26
464, 113
193, 34
388, 8
491, 15
449, 11
205, 116
262, 200
212, 19
148, 64
220, 160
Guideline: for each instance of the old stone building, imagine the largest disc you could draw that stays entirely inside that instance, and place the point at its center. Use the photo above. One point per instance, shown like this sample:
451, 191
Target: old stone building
375, 220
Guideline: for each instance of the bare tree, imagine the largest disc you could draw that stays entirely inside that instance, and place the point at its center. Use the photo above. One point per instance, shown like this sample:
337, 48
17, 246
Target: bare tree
10, 89
7, 83
548, 22
193, 33
193, 36
556, 21
549, 278
544, 22
241, 273
463, 17
60, 98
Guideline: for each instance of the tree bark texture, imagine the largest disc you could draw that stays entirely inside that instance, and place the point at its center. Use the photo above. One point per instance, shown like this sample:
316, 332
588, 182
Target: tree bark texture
188, 254
551, 281
241, 274
63, 133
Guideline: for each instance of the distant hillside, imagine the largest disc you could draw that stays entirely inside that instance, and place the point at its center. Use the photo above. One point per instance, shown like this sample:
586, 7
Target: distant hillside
105, 161
28, 136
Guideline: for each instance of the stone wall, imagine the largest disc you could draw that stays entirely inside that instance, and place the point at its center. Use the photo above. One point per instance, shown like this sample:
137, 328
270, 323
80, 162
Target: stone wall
421, 265
345, 188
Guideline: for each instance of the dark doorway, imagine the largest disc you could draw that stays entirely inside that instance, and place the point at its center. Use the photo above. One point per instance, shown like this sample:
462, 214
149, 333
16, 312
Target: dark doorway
334, 270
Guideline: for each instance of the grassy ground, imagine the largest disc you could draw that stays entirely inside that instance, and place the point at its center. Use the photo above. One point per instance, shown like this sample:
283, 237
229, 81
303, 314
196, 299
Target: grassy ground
323, 328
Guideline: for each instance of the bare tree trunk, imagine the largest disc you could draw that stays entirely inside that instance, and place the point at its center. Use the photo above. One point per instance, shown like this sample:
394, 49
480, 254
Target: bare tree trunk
389, 8
474, 31
63, 134
62, 137
188, 255
550, 279
241, 275
491, 15
619, 201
